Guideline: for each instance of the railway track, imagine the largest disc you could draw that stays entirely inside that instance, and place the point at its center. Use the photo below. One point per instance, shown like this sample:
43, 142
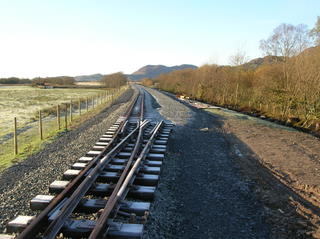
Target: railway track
107, 192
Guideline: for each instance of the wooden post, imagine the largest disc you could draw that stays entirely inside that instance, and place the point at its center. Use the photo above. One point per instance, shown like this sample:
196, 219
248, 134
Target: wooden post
66, 118
92, 101
58, 116
15, 140
79, 106
40, 125
71, 111
87, 105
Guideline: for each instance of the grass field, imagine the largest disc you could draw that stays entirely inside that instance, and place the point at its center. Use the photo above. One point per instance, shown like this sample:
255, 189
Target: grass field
24, 102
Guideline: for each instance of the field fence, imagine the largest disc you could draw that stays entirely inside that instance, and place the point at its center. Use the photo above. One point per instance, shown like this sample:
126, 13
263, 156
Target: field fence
49, 122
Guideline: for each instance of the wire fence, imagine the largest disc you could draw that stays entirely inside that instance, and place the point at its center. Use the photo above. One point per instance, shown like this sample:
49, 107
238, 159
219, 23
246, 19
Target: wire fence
49, 122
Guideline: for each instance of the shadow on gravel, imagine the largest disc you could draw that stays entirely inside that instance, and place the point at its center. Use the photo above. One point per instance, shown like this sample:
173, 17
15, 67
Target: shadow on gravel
287, 212
208, 191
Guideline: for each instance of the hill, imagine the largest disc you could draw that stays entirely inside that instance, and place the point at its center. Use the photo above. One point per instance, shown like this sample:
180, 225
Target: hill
257, 62
94, 77
152, 71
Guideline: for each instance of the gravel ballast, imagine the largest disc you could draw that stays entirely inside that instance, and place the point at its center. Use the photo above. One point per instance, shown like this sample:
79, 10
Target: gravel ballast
201, 193
21, 182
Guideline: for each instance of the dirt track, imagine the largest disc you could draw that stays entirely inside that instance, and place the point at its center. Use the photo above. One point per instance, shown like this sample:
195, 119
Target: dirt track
286, 164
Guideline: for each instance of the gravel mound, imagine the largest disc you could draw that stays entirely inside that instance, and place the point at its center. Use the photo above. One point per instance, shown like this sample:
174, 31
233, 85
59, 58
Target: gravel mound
21, 182
201, 193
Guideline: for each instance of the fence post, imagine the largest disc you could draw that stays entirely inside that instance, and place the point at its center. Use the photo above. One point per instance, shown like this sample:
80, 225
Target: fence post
15, 140
87, 104
92, 101
79, 106
66, 117
58, 116
40, 125
71, 111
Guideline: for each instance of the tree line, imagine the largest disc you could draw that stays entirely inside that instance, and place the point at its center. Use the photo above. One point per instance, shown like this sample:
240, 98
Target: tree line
284, 85
14, 80
114, 80
59, 80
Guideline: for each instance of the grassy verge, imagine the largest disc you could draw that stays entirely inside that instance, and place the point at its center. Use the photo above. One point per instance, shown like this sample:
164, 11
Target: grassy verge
29, 141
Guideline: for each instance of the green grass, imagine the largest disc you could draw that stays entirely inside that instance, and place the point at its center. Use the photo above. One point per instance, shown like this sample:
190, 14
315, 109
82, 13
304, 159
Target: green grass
28, 143
28, 140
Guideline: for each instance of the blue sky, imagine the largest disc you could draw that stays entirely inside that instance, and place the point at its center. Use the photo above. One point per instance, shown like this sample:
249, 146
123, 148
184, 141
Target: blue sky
49, 38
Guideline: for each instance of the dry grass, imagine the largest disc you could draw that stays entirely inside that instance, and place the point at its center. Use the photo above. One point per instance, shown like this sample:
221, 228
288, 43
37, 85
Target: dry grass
25, 103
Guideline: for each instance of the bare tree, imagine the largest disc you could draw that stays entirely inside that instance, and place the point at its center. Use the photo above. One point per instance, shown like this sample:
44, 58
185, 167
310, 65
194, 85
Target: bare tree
303, 40
286, 40
114, 80
315, 32
239, 58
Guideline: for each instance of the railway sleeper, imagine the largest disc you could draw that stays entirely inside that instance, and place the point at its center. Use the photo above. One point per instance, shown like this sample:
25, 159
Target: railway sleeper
98, 147
93, 153
105, 139
104, 189
6, 236
150, 163
102, 143
124, 154
40, 202
72, 173
141, 179
82, 228
157, 141
155, 156
162, 138
116, 230
79, 166
144, 169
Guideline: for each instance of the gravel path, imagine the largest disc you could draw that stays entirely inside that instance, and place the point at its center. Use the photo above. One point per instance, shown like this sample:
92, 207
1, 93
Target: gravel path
21, 182
201, 193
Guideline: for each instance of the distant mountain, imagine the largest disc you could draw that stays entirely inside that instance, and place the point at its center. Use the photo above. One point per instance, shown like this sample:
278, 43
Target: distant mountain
94, 77
152, 71
267, 60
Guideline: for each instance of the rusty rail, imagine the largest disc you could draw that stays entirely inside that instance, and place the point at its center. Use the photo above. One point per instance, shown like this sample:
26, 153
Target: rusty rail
99, 230
42, 219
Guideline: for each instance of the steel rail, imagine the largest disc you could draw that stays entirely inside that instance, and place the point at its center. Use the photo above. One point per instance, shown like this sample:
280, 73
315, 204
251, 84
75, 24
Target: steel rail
56, 225
113, 198
99, 230
39, 222
142, 106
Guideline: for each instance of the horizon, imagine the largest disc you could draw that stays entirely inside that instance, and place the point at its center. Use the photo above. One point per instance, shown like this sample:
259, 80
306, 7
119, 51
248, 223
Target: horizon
96, 37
